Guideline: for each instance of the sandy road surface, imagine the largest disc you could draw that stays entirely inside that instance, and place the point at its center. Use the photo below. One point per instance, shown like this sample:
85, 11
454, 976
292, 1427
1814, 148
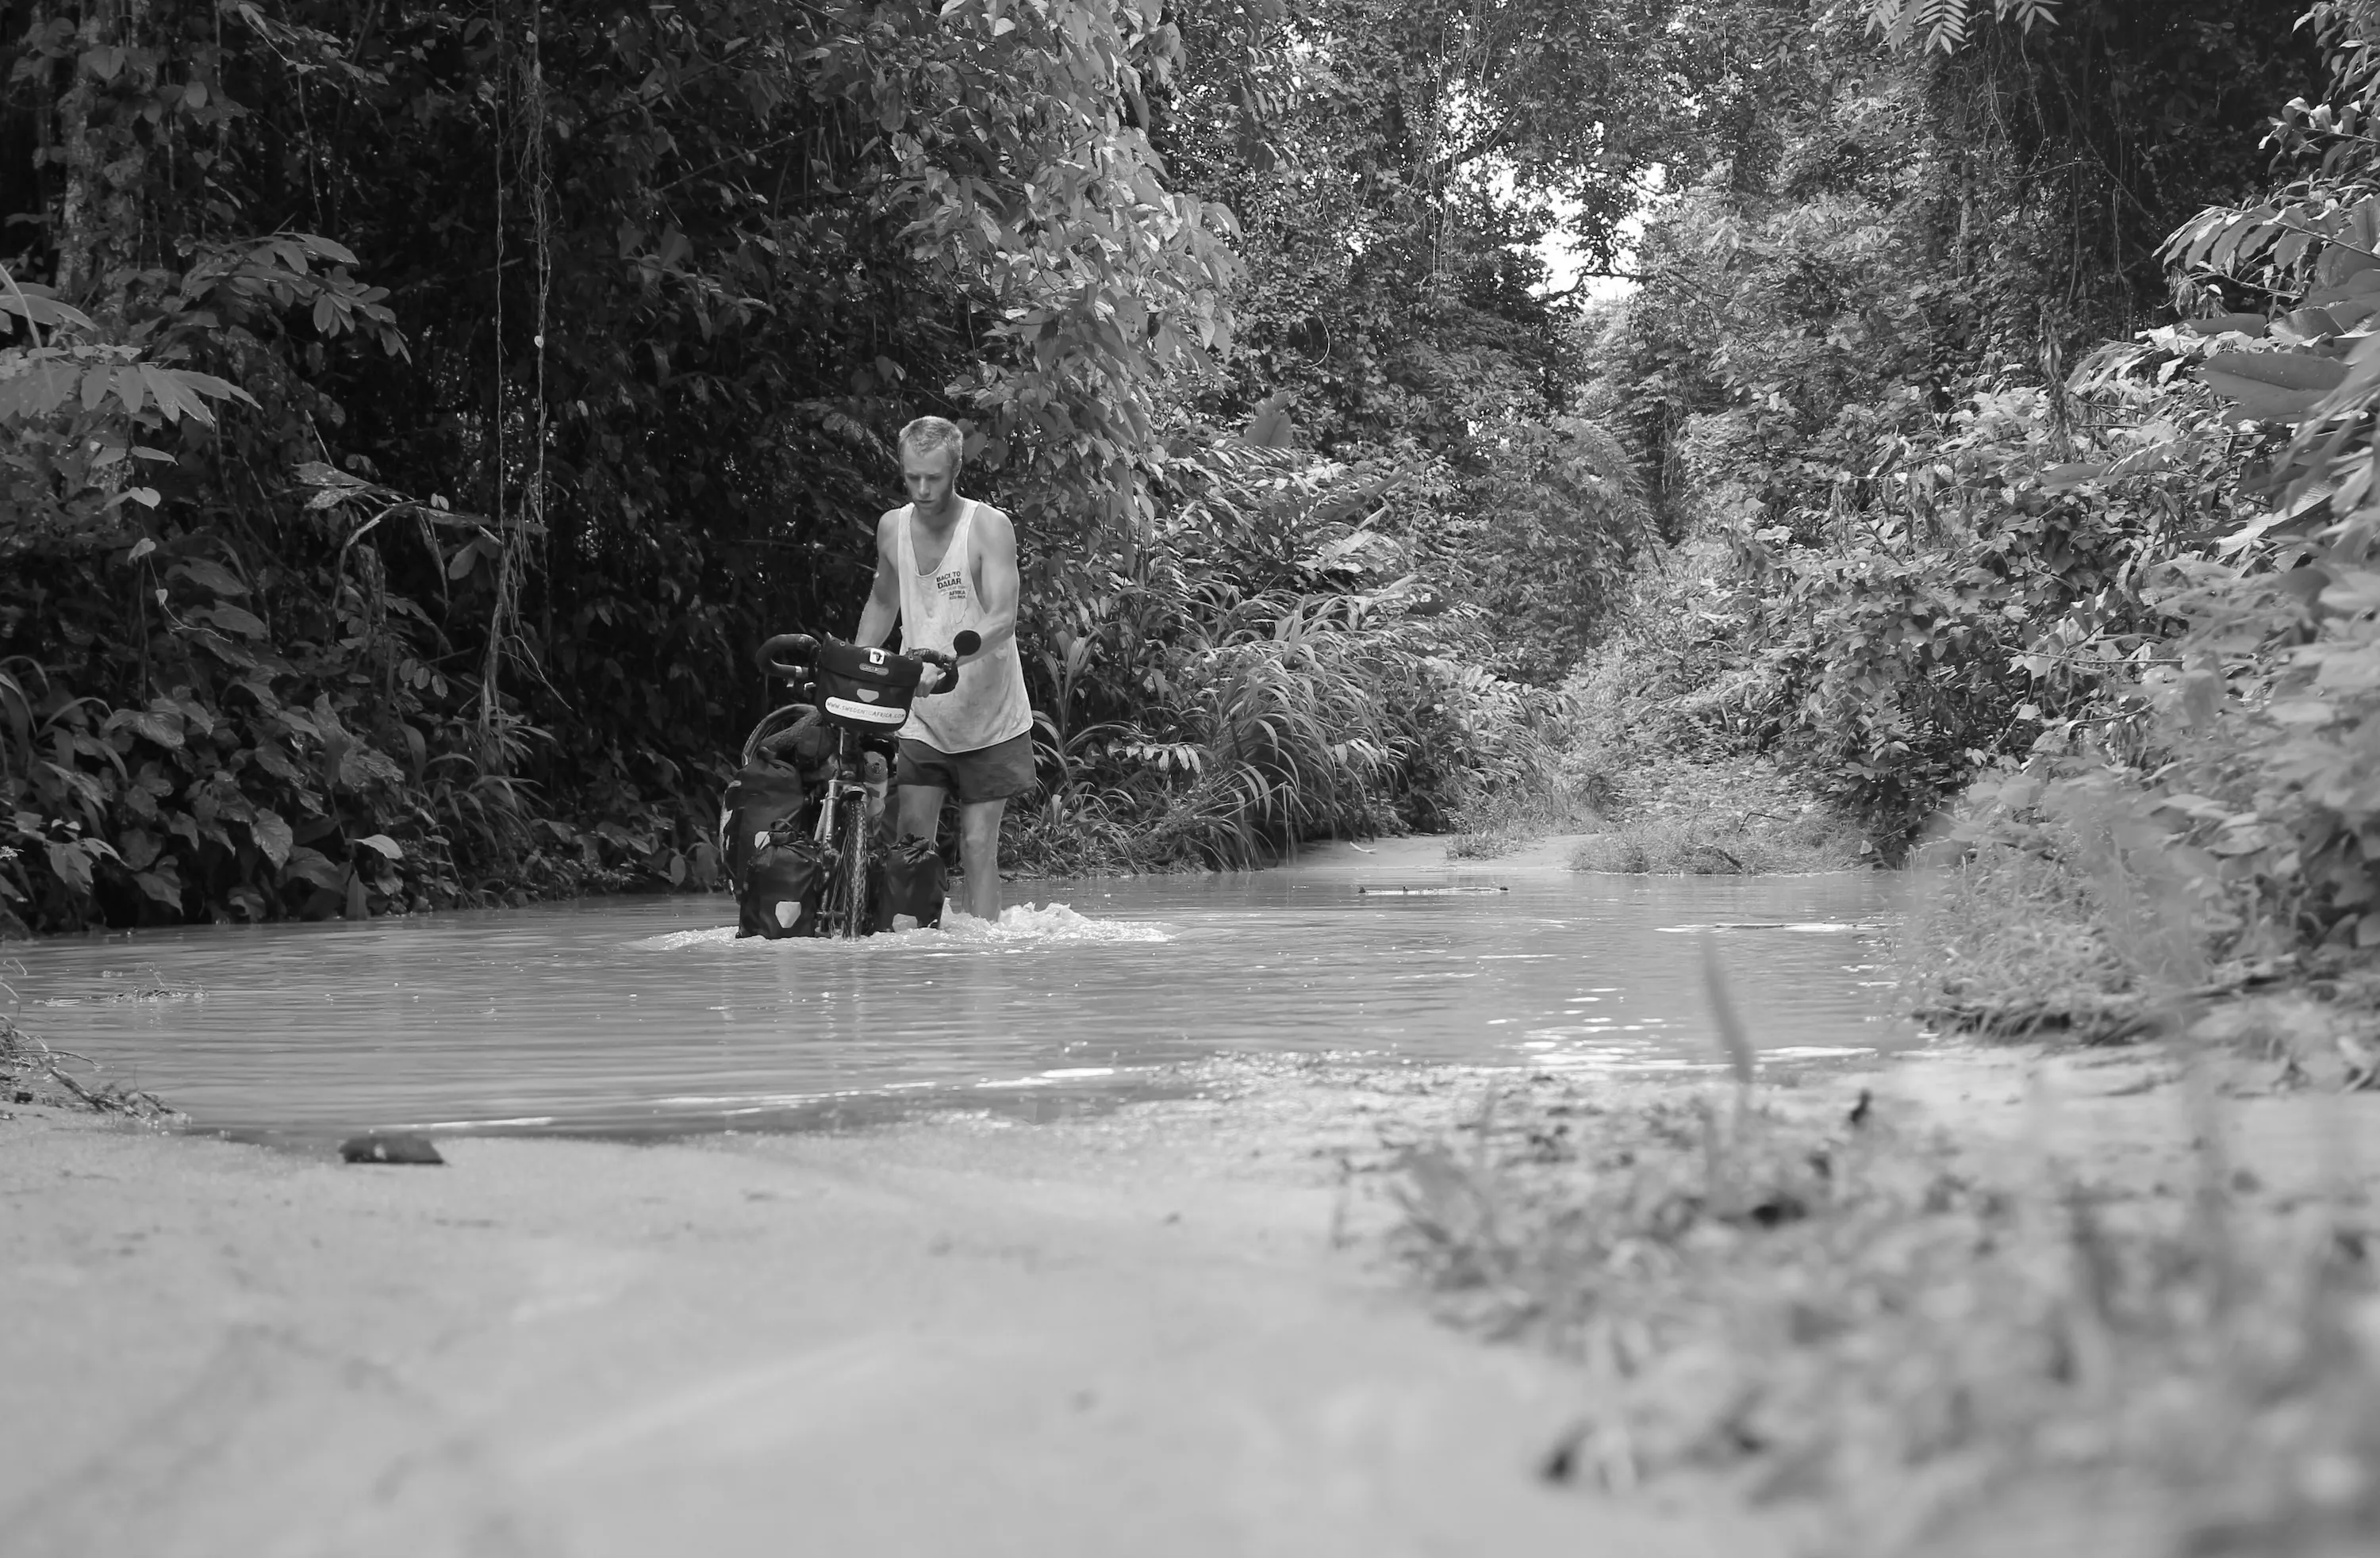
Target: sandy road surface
1129, 1335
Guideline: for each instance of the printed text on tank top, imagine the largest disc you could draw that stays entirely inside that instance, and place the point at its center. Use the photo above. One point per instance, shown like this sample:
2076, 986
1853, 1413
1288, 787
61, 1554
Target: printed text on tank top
949, 582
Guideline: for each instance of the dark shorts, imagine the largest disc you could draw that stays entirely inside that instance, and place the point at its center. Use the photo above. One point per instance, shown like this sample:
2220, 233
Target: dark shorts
993, 773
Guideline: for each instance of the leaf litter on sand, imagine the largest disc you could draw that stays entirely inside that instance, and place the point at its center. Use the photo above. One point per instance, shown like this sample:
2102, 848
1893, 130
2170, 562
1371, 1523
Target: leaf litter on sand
1851, 1318
33, 1073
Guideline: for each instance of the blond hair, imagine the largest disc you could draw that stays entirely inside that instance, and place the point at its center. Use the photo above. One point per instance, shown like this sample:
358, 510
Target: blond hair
928, 433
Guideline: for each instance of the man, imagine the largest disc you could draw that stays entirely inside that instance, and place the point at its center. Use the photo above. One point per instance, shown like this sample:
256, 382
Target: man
947, 565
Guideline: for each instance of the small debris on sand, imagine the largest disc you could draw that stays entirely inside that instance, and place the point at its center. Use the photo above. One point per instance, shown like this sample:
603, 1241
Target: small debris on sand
397, 1146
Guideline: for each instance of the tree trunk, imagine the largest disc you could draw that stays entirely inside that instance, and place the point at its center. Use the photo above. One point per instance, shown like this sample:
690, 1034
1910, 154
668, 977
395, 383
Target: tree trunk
77, 211
99, 215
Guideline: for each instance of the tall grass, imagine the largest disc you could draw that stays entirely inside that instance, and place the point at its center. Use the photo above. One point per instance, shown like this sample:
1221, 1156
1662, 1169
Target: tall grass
1724, 844
1903, 1348
2011, 944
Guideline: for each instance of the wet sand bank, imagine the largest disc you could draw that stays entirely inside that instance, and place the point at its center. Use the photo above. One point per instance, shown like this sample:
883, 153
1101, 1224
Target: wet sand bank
1168, 1329
1125, 1335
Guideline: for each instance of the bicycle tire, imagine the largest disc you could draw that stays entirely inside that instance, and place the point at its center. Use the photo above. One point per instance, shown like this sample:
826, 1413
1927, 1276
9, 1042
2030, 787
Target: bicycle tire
852, 862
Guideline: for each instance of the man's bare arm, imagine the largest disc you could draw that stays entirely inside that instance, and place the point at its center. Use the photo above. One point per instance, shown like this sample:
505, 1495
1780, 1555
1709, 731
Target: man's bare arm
883, 608
996, 582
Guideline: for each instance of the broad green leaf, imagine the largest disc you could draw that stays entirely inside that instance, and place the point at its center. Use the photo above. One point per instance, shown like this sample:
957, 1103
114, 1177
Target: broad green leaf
138, 847
208, 385
2348, 312
166, 730
386, 846
360, 767
71, 865
2282, 370
2223, 325
273, 836
163, 884
2312, 323
311, 866
207, 574
270, 757
2362, 283
2273, 386
232, 619
40, 305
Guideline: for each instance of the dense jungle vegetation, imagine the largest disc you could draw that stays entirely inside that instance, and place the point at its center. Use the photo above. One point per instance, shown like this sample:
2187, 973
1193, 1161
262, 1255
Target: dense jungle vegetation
415, 414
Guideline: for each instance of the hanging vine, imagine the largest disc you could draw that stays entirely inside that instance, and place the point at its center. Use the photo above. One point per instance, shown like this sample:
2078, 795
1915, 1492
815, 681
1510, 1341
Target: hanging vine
521, 523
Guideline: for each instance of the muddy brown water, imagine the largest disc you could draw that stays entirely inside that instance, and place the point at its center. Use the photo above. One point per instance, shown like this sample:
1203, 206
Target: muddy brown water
645, 1016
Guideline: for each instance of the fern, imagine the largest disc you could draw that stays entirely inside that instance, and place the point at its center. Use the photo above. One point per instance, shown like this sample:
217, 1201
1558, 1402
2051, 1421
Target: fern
1943, 24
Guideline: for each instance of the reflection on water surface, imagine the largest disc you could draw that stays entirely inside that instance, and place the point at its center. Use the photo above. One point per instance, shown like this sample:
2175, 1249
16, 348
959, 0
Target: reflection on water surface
639, 1015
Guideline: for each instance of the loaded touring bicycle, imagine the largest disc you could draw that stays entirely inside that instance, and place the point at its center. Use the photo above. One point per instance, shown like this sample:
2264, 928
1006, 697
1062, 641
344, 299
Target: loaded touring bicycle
806, 823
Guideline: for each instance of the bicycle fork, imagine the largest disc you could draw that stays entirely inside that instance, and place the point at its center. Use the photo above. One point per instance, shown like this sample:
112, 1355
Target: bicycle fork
876, 794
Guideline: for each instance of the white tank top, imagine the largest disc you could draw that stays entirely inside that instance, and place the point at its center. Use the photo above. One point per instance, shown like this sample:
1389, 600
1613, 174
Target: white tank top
989, 706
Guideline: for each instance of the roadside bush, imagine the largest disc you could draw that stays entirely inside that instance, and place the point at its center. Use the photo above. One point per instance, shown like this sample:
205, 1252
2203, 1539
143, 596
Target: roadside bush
1275, 659
2239, 752
195, 723
169, 753
1985, 588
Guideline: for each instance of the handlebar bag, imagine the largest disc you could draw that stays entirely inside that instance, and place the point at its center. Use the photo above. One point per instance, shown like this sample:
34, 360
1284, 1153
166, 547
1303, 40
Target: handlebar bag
867, 689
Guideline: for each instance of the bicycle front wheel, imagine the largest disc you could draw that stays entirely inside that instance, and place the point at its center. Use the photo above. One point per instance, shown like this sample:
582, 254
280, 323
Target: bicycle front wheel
855, 863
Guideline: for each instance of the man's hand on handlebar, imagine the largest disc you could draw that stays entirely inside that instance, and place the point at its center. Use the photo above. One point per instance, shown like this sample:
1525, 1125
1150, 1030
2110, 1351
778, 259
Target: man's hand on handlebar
792, 656
946, 666
946, 671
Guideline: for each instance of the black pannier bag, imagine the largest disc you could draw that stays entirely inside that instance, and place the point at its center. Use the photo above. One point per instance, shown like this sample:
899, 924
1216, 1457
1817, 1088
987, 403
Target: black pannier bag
913, 884
867, 689
782, 888
770, 857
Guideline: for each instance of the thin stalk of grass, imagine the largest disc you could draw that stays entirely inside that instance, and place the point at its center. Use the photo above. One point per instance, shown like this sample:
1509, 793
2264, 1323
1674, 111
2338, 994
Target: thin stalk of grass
1743, 1062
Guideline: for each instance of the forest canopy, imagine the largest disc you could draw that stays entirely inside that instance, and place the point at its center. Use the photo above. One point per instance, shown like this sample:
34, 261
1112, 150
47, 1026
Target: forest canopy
417, 413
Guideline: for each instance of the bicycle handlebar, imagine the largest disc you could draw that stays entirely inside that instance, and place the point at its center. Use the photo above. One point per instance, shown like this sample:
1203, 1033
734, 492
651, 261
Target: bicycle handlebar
801, 646
801, 653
